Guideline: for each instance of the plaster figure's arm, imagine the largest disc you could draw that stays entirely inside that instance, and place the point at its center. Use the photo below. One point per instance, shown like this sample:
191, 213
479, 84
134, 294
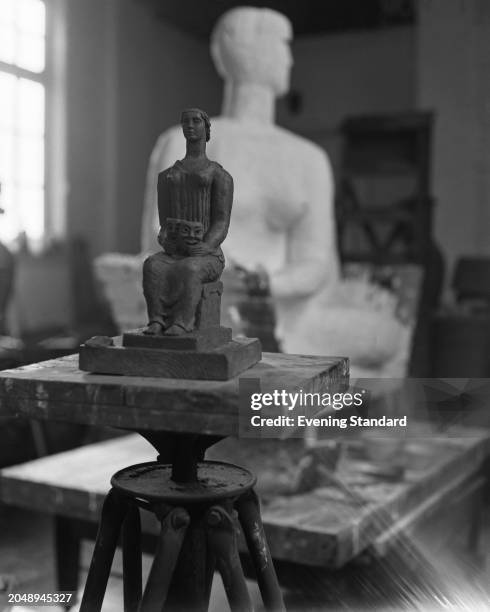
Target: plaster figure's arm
311, 258
166, 150
221, 203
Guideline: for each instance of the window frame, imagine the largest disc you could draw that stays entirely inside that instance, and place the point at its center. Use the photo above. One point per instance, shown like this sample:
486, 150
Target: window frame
53, 80
55, 121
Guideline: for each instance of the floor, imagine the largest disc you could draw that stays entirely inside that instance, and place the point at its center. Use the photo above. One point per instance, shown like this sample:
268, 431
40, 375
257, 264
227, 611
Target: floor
26, 562
26, 555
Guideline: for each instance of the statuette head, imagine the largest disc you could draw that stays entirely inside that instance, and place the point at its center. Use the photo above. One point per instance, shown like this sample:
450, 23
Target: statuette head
195, 124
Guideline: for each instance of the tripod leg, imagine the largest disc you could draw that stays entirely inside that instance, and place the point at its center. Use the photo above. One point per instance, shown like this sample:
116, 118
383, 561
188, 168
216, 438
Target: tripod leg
222, 540
113, 512
249, 515
132, 559
172, 533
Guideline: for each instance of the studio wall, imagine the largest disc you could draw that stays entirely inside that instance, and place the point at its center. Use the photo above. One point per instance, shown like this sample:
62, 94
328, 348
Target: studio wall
128, 77
453, 67
351, 73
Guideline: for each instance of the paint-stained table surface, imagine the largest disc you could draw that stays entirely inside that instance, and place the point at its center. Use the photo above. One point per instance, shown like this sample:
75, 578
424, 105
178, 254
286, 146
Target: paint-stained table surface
325, 527
58, 390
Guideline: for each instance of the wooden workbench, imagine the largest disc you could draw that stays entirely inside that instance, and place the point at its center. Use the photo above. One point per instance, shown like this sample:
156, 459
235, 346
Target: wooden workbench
324, 528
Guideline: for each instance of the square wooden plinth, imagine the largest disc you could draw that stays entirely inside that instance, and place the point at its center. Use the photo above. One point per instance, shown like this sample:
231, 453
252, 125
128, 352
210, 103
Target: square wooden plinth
201, 340
222, 363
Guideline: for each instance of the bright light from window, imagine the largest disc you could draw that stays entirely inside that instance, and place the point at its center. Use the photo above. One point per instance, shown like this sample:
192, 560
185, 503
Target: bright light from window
22, 32
22, 112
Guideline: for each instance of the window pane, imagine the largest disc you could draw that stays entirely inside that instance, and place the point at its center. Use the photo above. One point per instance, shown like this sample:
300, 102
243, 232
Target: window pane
22, 33
9, 222
30, 167
21, 156
7, 43
31, 16
7, 99
6, 156
30, 119
7, 11
30, 204
30, 52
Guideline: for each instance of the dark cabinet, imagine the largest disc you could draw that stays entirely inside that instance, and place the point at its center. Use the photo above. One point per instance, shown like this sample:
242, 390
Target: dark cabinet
384, 205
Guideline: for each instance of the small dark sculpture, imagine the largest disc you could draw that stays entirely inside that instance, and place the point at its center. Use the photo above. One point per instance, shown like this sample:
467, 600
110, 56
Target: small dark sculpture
195, 197
184, 337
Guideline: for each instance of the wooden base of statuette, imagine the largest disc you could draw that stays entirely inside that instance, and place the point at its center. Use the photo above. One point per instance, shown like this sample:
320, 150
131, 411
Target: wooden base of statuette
193, 356
200, 340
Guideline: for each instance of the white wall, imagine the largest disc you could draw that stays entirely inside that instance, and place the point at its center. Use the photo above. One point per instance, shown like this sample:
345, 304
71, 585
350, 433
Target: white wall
128, 78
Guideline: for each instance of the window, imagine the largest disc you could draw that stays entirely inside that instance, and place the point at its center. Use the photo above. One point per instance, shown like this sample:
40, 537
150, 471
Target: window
23, 84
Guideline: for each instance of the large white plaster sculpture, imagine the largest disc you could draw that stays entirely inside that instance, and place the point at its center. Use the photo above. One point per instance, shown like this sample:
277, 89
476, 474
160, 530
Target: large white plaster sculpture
283, 215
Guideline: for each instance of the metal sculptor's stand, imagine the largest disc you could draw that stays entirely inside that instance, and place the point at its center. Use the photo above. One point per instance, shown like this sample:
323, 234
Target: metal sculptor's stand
194, 500
197, 504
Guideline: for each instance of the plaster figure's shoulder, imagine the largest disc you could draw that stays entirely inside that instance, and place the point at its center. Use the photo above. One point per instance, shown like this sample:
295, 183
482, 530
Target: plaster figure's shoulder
168, 148
306, 155
310, 151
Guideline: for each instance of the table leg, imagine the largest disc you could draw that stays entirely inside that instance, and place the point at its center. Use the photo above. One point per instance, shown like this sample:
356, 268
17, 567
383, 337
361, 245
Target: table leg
67, 545
131, 544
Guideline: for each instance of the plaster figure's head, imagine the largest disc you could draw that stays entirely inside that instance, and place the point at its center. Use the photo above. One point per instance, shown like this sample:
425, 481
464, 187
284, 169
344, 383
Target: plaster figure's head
195, 124
251, 45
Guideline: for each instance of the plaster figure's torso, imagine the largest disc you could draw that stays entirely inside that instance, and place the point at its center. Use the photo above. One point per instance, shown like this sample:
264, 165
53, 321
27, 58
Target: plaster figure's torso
269, 198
